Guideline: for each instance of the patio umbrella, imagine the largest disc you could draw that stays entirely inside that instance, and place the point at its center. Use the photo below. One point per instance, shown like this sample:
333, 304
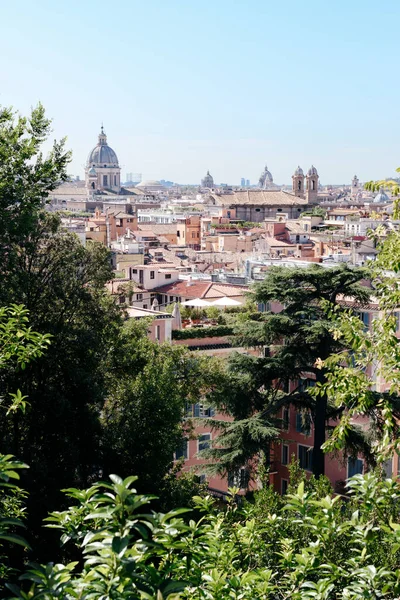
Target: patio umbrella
154, 306
225, 301
197, 303
177, 322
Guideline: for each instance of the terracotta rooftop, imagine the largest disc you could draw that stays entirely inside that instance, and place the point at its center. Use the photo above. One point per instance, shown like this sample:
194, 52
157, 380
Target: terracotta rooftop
201, 289
259, 197
158, 228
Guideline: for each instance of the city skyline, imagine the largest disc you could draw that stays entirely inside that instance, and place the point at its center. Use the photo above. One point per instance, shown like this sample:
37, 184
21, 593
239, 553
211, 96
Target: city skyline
225, 88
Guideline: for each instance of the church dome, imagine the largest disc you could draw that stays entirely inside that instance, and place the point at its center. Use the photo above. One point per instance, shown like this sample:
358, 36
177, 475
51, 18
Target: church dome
151, 185
381, 197
298, 171
312, 171
92, 171
266, 179
207, 181
102, 155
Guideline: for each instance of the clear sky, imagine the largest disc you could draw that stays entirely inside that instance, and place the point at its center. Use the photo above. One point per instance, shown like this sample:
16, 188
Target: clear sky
183, 86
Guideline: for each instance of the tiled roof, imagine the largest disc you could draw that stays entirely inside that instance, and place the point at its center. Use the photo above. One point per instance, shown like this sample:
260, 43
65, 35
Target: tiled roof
272, 242
219, 290
185, 289
158, 228
69, 191
259, 197
202, 289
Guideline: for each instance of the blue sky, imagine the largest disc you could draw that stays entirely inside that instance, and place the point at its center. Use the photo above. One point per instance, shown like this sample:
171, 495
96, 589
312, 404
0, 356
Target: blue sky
183, 86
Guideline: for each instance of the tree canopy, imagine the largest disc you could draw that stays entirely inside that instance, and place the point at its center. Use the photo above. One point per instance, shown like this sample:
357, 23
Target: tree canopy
296, 336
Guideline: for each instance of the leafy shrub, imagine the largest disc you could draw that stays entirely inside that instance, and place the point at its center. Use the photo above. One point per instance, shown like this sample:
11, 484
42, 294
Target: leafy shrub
303, 546
202, 332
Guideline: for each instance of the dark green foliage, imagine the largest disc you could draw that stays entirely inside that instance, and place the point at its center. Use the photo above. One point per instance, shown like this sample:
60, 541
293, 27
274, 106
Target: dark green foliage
296, 339
306, 545
202, 332
26, 178
149, 385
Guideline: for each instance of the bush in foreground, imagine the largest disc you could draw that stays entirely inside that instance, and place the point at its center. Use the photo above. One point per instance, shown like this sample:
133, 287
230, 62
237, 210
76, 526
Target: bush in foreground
301, 546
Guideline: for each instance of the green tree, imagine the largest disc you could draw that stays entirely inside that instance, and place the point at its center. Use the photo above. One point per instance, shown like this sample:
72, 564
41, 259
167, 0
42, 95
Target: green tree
19, 345
296, 339
26, 179
62, 284
365, 381
149, 386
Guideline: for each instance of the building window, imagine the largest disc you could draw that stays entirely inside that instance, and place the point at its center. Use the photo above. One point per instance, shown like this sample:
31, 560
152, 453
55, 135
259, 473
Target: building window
134, 271
171, 298
303, 423
303, 384
284, 484
139, 296
285, 419
145, 306
168, 276
158, 333
239, 478
203, 411
105, 179
182, 450
355, 466
285, 454
305, 457
152, 275
115, 180
365, 318
204, 441
258, 209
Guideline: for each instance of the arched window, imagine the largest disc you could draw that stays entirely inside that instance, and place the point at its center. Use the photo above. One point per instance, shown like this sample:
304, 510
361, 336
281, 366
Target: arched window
299, 184
313, 184
93, 185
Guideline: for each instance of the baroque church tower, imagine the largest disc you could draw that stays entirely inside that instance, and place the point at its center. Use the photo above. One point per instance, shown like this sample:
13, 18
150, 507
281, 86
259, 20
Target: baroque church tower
298, 183
355, 187
312, 185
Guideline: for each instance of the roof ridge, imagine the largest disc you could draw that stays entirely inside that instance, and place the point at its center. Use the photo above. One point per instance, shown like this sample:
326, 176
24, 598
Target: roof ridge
208, 287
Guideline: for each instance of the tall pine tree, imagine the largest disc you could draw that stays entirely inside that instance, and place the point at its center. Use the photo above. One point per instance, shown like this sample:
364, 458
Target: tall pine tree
296, 338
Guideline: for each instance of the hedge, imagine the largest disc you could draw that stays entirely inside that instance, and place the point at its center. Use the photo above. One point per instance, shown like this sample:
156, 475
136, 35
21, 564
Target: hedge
201, 332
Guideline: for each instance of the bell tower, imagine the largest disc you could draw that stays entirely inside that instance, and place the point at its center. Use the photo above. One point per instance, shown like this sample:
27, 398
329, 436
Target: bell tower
312, 185
298, 183
355, 187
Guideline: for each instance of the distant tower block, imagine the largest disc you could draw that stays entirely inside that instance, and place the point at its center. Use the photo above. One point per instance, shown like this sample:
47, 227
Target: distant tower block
298, 182
355, 187
312, 185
